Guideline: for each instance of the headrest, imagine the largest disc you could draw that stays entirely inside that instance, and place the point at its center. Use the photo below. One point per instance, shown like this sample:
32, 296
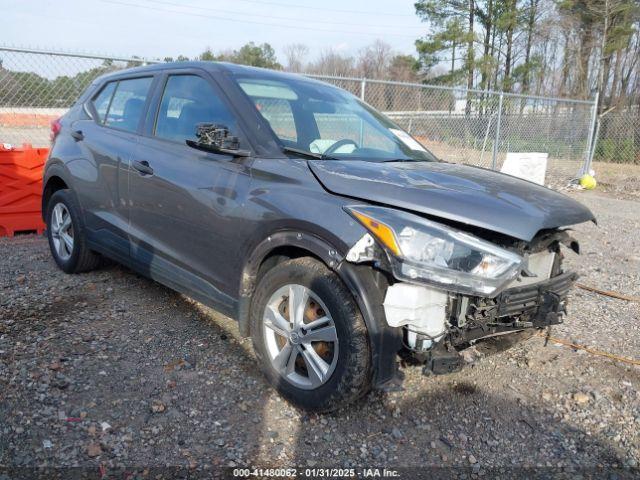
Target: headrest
133, 108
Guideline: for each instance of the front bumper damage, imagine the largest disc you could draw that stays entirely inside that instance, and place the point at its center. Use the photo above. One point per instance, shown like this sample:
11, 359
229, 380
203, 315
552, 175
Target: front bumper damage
443, 330
518, 310
533, 306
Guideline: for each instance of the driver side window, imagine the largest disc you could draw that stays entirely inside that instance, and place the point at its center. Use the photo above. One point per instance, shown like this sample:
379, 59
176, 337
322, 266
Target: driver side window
187, 101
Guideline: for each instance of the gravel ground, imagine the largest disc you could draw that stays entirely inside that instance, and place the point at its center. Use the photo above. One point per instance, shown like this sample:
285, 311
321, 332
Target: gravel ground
108, 369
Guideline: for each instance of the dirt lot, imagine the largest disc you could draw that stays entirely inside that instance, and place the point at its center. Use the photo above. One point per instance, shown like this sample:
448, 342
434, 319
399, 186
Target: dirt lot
619, 179
108, 369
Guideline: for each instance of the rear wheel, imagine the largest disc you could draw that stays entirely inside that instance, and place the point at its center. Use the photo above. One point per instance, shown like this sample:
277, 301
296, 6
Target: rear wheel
309, 336
65, 233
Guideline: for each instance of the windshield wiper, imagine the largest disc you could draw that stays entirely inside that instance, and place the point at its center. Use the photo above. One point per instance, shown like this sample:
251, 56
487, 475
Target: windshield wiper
306, 153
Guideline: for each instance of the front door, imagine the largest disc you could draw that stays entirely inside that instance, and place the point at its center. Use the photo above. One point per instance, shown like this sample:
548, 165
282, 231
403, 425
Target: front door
184, 203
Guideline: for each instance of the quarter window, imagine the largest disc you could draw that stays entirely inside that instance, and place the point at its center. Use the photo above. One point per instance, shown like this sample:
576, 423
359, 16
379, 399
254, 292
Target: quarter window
102, 100
128, 102
187, 101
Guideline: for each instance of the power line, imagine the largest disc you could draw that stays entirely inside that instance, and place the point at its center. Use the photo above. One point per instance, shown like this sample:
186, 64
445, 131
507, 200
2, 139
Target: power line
254, 22
324, 9
315, 21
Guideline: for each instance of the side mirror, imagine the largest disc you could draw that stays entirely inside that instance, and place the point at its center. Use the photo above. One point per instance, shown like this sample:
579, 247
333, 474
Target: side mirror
215, 138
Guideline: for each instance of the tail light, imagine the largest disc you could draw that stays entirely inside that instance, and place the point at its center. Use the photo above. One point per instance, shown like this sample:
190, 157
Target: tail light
56, 126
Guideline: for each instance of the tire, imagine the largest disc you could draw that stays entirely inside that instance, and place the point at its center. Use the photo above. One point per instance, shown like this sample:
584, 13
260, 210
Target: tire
348, 356
77, 258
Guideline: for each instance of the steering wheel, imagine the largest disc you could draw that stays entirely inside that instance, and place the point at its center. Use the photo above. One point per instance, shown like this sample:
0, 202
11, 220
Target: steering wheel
338, 144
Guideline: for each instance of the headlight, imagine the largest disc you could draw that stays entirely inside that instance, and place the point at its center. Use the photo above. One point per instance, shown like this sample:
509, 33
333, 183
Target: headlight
422, 251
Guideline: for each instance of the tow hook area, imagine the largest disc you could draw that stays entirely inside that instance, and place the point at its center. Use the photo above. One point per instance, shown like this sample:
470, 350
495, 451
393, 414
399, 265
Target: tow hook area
440, 361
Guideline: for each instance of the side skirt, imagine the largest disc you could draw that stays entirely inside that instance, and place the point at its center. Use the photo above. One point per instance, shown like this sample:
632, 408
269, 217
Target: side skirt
162, 271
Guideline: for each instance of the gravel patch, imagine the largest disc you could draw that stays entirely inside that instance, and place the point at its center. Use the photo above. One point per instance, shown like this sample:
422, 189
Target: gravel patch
110, 370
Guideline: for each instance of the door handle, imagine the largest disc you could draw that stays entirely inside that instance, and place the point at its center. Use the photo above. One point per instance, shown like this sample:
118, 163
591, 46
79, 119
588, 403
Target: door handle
77, 135
143, 167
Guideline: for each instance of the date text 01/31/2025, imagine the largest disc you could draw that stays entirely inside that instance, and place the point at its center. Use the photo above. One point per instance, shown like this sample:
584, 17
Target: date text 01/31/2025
316, 472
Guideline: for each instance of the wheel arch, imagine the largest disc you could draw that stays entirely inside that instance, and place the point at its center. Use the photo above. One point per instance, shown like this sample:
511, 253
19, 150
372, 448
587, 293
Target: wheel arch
279, 246
55, 178
365, 284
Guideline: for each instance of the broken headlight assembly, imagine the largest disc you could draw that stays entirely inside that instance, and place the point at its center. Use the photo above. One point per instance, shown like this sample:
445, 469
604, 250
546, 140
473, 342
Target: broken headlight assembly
422, 251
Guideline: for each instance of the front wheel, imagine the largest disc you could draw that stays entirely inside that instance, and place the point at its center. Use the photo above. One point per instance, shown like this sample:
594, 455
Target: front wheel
309, 336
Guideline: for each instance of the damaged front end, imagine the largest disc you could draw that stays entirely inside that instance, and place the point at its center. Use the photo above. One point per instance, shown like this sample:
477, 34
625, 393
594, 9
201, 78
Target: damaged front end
450, 291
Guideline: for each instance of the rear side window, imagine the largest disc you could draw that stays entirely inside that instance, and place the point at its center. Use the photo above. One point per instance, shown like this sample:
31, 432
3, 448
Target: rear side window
128, 103
103, 99
187, 101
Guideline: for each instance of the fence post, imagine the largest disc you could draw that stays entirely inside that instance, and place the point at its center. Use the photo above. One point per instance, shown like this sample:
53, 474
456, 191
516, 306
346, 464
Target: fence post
363, 86
494, 159
591, 139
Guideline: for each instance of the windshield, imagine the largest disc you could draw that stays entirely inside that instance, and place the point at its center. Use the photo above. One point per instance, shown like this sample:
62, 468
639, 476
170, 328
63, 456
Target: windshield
326, 121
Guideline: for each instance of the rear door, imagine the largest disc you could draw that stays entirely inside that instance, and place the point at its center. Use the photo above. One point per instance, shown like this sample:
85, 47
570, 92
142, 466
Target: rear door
185, 215
107, 143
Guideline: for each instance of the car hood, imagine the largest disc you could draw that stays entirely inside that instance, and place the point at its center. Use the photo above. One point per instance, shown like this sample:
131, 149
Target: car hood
461, 193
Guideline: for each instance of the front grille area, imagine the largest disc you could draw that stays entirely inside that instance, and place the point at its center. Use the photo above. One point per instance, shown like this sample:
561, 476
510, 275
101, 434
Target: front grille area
518, 300
531, 306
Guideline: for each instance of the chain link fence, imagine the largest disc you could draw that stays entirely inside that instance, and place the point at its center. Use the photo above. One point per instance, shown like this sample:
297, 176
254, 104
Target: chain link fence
480, 127
458, 125
618, 136
36, 87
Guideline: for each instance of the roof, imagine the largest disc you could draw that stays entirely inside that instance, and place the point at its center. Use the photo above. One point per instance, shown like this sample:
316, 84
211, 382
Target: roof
211, 67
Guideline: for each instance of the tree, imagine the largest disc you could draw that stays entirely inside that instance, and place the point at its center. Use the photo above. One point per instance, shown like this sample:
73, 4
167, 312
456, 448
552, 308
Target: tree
254, 55
331, 62
448, 19
208, 56
404, 68
296, 54
435, 48
135, 62
531, 14
444, 15
509, 22
374, 60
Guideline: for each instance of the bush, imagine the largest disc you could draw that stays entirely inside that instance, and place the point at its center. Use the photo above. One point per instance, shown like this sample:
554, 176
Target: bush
617, 151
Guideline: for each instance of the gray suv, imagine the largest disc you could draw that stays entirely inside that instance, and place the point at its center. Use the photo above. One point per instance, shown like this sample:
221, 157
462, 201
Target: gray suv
338, 242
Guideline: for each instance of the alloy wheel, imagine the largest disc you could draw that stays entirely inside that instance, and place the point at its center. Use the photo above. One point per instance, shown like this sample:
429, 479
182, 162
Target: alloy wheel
300, 336
62, 231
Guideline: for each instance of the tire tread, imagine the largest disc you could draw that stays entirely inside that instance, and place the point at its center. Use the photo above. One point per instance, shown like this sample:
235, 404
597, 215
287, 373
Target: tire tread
356, 380
86, 259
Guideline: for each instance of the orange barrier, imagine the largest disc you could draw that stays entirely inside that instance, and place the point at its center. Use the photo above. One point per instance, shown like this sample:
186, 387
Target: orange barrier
21, 189
20, 119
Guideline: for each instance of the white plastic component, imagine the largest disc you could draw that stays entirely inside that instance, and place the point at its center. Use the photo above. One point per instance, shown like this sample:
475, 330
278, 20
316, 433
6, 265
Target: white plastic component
408, 140
421, 309
540, 264
362, 250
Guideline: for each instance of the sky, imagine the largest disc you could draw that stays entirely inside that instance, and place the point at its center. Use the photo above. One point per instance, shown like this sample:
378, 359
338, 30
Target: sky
161, 28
